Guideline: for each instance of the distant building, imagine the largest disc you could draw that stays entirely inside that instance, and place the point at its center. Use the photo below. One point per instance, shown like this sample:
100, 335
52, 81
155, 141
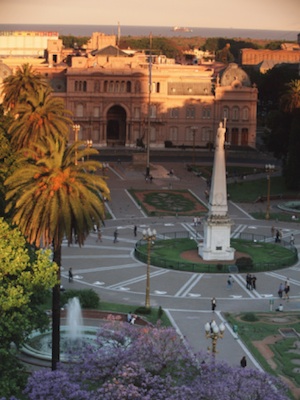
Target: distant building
266, 59
25, 43
116, 95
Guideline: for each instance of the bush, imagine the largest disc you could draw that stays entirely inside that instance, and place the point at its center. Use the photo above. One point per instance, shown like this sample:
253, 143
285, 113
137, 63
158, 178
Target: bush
219, 267
249, 317
87, 297
244, 263
143, 310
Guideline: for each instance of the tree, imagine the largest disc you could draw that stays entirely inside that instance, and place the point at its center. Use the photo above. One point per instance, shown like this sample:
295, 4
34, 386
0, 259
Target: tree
290, 100
7, 156
290, 104
149, 363
51, 198
225, 55
25, 276
39, 115
16, 87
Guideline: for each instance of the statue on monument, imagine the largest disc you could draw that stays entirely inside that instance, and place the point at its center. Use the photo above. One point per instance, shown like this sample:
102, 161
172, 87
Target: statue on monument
220, 139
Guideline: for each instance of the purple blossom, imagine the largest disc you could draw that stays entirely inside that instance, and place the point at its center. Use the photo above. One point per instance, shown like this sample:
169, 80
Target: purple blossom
144, 363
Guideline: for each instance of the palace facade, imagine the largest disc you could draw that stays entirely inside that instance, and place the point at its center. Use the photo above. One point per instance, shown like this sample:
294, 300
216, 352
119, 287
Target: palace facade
118, 96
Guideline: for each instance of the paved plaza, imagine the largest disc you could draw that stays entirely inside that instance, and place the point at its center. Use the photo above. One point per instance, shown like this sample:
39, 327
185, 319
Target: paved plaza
112, 271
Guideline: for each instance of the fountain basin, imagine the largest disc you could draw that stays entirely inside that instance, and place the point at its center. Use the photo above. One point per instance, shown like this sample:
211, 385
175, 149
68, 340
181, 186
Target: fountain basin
290, 206
39, 344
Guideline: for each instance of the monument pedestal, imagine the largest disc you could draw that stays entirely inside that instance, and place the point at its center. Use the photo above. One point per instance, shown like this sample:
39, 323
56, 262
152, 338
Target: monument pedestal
216, 244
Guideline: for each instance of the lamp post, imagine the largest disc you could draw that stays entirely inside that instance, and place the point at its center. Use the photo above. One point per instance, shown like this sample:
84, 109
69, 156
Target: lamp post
148, 235
193, 129
76, 129
89, 144
269, 170
214, 332
149, 110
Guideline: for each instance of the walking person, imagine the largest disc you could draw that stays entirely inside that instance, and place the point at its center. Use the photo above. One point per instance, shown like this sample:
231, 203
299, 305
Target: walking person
135, 230
253, 282
229, 282
243, 362
292, 239
116, 233
280, 290
70, 275
99, 236
287, 290
213, 304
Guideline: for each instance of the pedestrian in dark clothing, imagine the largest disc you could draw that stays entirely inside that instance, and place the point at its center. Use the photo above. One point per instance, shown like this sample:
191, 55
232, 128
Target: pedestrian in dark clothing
280, 290
116, 236
135, 230
243, 362
213, 304
70, 275
249, 281
287, 290
253, 282
229, 282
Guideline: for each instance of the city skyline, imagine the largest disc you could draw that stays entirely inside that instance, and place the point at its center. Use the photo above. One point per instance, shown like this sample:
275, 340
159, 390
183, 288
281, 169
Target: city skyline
267, 14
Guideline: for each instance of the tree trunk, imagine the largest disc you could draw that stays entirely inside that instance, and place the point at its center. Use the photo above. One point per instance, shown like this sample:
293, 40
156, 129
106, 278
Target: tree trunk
56, 310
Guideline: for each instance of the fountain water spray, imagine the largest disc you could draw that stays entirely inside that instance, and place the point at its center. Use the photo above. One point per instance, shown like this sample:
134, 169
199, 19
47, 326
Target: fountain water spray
74, 318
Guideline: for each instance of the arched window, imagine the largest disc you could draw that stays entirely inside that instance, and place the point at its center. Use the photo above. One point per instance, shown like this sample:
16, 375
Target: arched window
205, 134
226, 112
235, 114
174, 133
79, 110
128, 87
245, 114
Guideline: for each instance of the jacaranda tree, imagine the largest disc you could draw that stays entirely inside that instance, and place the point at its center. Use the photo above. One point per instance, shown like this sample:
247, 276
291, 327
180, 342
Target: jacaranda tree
147, 363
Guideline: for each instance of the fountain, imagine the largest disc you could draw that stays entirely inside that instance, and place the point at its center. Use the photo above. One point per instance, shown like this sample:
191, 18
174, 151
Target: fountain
74, 333
74, 318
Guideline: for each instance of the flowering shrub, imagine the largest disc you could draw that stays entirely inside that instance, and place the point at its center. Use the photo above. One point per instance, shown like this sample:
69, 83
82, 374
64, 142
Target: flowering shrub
145, 363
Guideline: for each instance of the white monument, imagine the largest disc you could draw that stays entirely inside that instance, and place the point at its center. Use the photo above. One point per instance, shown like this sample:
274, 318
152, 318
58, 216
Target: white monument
217, 225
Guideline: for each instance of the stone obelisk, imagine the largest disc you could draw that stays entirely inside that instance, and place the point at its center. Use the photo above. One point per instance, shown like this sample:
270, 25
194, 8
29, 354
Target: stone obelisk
217, 224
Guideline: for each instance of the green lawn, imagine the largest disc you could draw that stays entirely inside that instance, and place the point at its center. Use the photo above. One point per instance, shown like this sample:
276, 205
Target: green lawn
266, 325
249, 191
168, 254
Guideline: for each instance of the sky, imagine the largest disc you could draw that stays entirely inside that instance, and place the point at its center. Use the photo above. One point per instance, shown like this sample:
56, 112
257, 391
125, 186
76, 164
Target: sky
255, 14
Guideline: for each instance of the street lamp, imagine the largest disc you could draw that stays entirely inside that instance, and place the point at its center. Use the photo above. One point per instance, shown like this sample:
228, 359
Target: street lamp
148, 235
89, 144
76, 129
193, 129
269, 170
214, 332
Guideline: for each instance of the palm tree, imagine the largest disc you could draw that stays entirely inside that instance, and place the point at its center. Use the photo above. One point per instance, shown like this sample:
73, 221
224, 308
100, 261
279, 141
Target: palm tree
290, 100
38, 116
17, 86
51, 198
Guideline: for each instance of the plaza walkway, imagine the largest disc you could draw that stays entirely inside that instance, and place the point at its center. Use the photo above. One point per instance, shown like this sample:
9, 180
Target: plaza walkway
112, 271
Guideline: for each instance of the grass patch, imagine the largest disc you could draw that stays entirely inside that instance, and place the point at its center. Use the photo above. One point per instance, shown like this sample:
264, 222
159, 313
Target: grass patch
264, 326
168, 202
249, 191
263, 255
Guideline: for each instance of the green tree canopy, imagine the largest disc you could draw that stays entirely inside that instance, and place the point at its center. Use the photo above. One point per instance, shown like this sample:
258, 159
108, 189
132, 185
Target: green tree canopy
25, 278
18, 86
40, 115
